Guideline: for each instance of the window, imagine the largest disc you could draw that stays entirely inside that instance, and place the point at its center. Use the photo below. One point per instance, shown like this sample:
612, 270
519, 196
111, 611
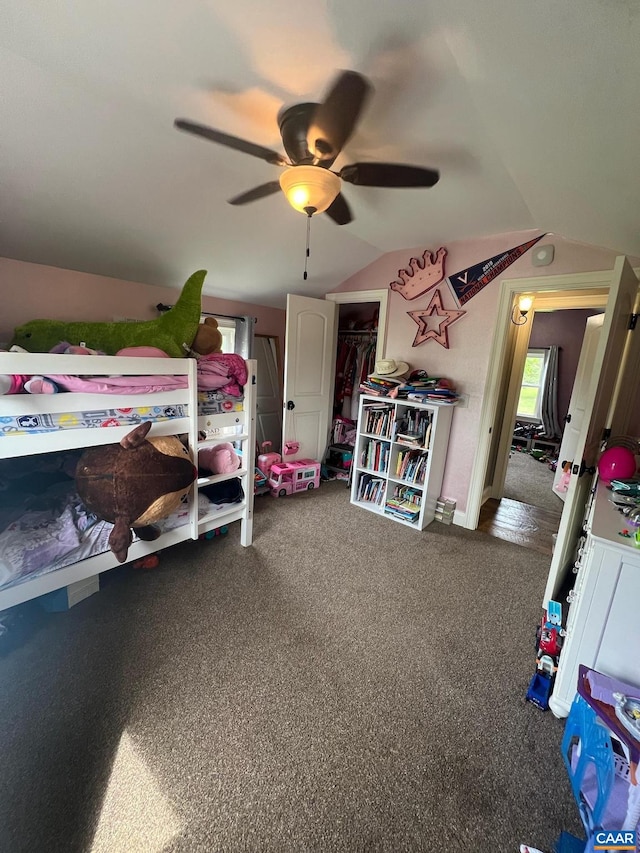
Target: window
227, 328
532, 388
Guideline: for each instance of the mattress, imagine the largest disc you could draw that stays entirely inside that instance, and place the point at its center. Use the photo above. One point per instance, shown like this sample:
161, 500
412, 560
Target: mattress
209, 403
63, 532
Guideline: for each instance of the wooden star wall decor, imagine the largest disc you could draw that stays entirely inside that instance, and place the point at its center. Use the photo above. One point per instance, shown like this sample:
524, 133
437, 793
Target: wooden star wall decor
446, 316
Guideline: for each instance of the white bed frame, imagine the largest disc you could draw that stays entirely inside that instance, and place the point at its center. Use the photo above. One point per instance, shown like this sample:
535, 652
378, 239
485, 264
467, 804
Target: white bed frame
66, 439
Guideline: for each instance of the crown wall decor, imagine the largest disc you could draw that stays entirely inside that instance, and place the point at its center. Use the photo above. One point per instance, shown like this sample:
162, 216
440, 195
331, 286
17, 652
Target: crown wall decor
420, 275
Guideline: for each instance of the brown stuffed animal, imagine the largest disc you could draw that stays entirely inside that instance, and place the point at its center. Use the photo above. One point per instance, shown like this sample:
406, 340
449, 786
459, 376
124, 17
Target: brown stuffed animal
135, 483
208, 338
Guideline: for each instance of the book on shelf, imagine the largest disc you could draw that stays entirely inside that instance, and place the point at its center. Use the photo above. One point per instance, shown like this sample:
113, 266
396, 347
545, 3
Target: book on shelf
412, 441
370, 489
405, 510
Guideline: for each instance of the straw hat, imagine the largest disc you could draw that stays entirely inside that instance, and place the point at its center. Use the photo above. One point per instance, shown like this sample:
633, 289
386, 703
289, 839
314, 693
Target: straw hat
389, 368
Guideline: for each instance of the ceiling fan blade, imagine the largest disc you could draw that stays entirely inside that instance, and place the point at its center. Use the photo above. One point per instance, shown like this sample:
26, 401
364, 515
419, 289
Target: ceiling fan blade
389, 175
231, 142
256, 193
339, 210
334, 120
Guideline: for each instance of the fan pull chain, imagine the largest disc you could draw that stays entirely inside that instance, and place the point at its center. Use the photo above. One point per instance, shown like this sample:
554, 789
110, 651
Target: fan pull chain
306, 257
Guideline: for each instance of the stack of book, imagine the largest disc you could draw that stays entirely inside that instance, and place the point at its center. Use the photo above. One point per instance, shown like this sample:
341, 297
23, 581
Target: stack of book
424, 390
406, 510
445, 509
379, 387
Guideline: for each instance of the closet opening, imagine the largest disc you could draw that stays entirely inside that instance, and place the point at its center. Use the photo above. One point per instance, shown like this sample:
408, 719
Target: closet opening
360, 340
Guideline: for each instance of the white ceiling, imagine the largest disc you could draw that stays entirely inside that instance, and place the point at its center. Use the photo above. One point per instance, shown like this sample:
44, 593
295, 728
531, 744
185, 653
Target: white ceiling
531, 111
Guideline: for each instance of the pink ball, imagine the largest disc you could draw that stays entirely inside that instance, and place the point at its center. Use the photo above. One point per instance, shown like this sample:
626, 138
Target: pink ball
617, 463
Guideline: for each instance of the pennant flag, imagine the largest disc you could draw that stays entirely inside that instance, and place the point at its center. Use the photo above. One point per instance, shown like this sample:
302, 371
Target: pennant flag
467, 283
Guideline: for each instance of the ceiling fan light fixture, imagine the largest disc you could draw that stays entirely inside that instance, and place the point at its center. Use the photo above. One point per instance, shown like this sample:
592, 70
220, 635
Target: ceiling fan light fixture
309, 189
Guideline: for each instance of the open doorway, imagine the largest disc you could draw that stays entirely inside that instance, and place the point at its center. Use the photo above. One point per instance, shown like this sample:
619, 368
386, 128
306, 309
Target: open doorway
526, 505
585, 291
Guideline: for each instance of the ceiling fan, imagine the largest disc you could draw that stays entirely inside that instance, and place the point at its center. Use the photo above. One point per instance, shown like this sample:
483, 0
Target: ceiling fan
313, 135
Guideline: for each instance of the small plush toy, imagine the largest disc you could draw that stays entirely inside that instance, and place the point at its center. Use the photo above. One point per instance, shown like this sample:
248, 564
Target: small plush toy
134, 484
173, 332
208, 338
219, 458
17, 383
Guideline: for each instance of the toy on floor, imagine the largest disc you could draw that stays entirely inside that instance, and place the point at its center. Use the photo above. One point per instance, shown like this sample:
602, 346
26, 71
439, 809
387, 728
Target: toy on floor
288, 478
260, 483
267, 458
173, 332
212, 534
149, 561
549, 637
134, 484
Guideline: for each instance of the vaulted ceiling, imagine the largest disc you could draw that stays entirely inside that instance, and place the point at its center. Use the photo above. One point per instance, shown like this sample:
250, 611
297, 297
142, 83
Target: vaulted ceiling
530, 110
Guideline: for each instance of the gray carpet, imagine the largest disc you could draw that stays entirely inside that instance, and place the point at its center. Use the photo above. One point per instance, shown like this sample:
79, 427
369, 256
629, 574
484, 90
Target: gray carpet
345, 684
529, 481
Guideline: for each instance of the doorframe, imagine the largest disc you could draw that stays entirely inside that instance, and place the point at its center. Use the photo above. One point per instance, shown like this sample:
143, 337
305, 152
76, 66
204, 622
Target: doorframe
572, 300
348, 297
573, 290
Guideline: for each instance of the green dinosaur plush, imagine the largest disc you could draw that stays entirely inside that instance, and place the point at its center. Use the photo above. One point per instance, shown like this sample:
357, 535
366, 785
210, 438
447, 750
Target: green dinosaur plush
173, 332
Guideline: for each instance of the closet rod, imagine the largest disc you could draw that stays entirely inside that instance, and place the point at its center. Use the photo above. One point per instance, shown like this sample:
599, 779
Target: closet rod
358, 332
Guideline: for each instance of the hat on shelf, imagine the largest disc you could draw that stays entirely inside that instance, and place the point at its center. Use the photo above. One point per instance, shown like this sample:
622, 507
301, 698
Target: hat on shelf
389, 368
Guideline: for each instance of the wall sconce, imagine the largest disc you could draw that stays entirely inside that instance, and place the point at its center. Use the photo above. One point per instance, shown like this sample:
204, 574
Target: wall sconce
520, 311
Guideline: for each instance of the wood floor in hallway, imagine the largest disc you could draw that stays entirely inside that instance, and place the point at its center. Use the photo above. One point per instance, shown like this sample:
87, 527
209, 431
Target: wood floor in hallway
526, 525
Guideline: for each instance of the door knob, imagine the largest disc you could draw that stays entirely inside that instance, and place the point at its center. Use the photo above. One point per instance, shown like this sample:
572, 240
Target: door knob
290, 405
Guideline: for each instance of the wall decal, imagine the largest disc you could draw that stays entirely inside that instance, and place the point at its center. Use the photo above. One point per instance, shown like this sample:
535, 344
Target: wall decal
421, 275
469, 282
434, 309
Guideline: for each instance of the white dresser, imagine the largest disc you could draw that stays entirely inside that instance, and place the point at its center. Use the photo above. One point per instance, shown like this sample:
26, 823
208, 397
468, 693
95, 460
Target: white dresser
603, 625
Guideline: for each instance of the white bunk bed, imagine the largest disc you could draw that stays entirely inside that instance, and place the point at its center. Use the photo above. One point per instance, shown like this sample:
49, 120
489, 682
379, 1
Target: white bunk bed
236, 425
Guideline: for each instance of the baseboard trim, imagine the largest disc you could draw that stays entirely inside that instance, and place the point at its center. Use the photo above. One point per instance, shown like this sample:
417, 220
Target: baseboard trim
460, 518
559, 707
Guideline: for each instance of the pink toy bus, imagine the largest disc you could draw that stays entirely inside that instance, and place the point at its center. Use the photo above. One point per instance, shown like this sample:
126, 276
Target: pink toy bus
287, 478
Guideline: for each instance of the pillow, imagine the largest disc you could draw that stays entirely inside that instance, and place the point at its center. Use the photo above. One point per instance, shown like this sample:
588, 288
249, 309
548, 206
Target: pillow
219, 459
143, 352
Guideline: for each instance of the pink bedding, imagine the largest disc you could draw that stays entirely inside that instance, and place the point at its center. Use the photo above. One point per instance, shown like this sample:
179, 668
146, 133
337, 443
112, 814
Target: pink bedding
225, 372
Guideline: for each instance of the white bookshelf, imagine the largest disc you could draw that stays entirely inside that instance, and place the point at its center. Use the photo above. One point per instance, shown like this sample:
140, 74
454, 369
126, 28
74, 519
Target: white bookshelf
388, 467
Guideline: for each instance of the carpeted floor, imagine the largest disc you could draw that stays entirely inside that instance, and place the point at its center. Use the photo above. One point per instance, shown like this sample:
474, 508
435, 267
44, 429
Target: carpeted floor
529, 481
345, 684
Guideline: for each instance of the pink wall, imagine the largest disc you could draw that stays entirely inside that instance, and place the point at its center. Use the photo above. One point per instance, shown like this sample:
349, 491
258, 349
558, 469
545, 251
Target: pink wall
466, 362
32, 291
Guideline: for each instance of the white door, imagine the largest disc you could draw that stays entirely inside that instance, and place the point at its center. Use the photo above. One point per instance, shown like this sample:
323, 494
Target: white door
310, 341
268, 393
579, 398
597, 416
